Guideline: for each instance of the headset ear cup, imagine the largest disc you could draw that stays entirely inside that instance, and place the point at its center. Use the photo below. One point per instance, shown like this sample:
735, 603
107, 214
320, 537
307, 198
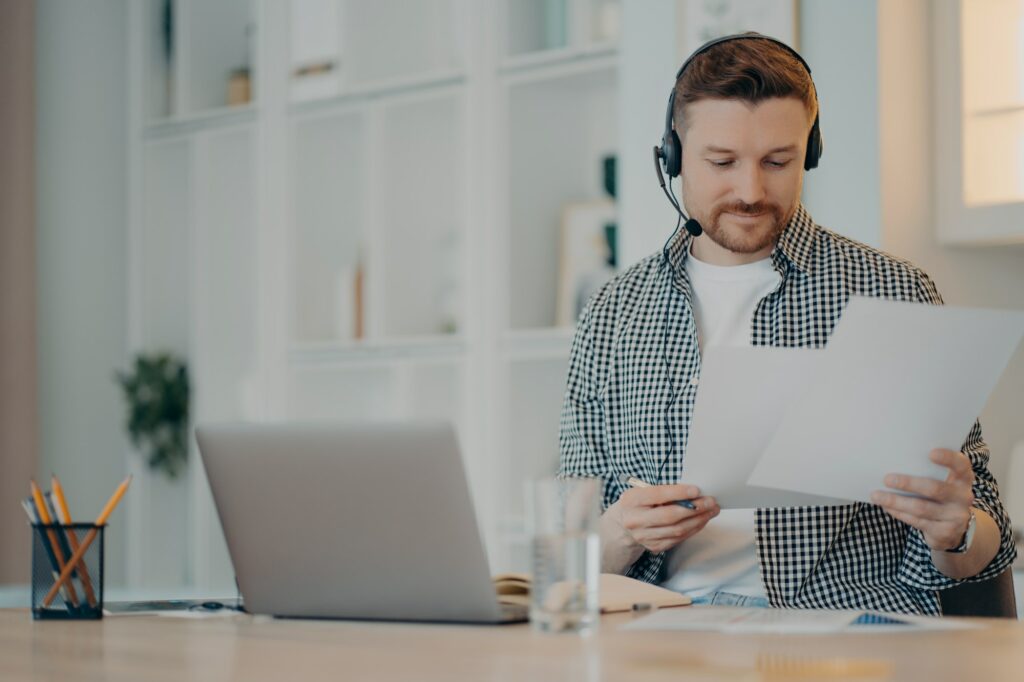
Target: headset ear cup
815, 146
673, 154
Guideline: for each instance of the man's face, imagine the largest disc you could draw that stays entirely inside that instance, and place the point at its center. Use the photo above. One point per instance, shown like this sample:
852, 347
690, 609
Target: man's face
742, 173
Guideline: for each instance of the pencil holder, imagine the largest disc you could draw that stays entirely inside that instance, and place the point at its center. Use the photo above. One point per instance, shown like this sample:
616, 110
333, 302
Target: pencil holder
80, 596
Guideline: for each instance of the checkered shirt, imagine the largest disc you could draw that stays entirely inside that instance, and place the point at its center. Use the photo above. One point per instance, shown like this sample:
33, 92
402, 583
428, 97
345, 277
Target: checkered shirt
630, 396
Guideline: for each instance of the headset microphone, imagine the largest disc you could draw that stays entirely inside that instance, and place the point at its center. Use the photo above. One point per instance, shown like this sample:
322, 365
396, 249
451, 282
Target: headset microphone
690, 225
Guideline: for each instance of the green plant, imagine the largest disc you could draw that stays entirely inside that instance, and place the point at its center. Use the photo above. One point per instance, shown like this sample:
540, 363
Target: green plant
157, 392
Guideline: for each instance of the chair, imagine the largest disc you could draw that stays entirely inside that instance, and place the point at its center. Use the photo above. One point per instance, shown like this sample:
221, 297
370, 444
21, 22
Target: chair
992, 598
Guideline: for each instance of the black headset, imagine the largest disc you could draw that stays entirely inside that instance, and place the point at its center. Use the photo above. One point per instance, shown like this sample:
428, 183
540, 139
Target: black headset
670, 154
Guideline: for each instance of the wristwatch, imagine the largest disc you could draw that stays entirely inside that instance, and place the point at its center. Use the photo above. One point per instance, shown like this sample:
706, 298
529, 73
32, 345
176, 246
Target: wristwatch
965, 544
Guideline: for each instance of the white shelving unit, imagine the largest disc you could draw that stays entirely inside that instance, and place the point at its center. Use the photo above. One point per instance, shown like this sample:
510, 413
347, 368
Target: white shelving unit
409, 160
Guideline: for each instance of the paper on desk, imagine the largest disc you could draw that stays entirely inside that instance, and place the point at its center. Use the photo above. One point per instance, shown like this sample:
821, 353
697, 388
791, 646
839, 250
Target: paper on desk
742, 398
897, 380
746, 620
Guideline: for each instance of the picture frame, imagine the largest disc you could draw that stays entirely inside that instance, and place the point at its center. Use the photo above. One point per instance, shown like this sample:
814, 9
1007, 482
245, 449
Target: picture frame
586, 254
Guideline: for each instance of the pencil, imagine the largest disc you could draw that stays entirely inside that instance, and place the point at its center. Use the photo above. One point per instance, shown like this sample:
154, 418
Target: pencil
64, 514
28, 504
89, 537
44, 516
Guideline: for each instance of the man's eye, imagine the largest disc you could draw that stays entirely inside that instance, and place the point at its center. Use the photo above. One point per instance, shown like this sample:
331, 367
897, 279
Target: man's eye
778, 164
721, 163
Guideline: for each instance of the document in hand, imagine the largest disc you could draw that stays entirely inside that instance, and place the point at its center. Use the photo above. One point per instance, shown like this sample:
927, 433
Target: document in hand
897, 380
776, 427
743, 396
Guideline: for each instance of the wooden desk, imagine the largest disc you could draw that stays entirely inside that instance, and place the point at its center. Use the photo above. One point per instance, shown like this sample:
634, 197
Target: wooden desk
246, 648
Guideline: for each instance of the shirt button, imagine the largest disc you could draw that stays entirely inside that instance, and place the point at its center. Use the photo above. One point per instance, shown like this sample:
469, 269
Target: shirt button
694, 380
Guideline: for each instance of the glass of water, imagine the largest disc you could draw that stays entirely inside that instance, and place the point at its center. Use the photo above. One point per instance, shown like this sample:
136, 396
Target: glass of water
566, 555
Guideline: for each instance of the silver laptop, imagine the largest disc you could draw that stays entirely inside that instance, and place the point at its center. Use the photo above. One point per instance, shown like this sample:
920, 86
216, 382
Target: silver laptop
350, 521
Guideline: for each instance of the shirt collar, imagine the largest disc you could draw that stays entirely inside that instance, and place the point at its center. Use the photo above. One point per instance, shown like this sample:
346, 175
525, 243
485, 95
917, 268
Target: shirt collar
796, 244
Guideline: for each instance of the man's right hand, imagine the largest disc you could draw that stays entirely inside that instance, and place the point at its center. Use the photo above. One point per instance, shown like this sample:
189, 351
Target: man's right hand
648, 518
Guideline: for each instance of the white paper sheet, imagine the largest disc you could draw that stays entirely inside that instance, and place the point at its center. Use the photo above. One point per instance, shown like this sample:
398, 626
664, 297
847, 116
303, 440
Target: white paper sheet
897, 380
742, 398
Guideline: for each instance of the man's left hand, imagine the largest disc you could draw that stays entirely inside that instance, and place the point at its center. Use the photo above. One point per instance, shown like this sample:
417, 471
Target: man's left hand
942, 509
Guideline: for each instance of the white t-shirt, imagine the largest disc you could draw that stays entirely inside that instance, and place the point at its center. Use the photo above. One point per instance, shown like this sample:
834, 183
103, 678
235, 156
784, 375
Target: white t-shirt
722, 556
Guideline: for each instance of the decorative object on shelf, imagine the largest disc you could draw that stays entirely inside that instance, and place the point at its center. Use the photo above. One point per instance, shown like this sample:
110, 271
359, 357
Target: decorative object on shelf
708, 19
607, 21
167, 51
239, 87
589, 251
315, 49
586, 256
360, 311
448, 247
240, 79
349, 301
157, 392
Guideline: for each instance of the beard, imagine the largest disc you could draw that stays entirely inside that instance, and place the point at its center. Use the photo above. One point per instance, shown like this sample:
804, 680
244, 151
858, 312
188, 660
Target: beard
747, 238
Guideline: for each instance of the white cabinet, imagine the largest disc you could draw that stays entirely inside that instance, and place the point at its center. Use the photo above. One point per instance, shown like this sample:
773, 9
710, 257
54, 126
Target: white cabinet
375, 234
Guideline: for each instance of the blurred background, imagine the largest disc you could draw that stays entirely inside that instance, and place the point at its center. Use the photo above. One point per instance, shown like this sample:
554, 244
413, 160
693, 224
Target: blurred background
345, 209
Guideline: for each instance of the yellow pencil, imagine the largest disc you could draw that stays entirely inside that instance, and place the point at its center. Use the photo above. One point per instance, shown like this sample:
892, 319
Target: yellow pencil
90, 536
44, 517
65, 514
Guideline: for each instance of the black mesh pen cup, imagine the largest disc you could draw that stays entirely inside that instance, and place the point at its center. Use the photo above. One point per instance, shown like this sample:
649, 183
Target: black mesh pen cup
74, 551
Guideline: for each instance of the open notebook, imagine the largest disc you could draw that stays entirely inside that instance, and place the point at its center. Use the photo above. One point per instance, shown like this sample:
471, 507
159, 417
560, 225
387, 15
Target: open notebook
617, 592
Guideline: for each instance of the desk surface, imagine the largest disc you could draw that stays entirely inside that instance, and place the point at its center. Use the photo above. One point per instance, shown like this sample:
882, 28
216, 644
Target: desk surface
246, 648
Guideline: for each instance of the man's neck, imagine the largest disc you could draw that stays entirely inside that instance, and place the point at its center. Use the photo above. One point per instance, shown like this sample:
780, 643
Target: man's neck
707, 251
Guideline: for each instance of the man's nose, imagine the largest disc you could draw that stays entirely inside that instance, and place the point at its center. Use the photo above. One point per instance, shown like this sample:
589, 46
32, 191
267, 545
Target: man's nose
750, 186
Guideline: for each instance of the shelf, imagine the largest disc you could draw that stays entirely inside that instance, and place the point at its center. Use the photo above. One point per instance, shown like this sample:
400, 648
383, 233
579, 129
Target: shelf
213, 119
560, 131
380, 90
413, 391
340, 47
542, 30
560, 62
538, 344
376, 352
198, 57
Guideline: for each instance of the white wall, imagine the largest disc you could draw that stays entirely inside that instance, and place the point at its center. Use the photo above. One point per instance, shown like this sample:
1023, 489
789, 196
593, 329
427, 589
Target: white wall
648, 66
838, 39
80, 150
975, 276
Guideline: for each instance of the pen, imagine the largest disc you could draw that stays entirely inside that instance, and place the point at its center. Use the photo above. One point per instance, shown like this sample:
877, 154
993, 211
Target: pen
634, 482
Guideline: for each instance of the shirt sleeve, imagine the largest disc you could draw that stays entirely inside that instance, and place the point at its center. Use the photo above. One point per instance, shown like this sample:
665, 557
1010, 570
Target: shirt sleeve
917, 568
582, 437
582, 442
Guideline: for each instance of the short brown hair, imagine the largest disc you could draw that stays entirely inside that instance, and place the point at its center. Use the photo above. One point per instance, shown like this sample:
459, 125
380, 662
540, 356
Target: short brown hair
749, 69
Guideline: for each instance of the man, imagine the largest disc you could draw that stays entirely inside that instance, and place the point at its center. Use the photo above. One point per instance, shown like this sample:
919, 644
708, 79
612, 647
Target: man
742, 128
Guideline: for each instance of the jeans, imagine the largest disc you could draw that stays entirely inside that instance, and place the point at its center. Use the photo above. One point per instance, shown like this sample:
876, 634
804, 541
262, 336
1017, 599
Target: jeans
730, 599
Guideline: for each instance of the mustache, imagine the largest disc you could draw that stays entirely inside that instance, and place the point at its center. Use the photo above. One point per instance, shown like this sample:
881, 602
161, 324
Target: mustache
743, 208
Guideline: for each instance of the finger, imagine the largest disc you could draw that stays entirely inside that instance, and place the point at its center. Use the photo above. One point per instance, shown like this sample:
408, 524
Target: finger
666, 514
673, 534
939, 491
661, 494
909, 519
914, 506
957, 462
682, 529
